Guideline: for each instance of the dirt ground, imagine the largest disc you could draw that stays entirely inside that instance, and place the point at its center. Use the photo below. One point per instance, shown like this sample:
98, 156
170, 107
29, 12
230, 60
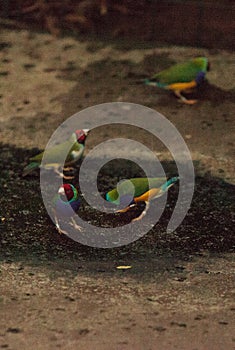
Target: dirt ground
57, 293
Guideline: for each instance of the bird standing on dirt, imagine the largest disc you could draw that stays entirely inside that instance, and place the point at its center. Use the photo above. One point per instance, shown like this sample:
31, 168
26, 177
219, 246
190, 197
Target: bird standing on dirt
181, 77
55, 154
66, 203
145, 190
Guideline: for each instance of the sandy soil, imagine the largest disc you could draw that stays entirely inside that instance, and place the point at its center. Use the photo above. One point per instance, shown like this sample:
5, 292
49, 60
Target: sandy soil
56, 293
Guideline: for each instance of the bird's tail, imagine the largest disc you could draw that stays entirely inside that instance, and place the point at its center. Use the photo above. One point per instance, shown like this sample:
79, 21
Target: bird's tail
147, 82
29, 168
165, 187
153, 82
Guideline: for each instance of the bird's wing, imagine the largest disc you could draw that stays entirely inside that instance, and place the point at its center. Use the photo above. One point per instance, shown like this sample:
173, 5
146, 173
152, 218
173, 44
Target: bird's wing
179, 73
142, 185
56, 154
75, 154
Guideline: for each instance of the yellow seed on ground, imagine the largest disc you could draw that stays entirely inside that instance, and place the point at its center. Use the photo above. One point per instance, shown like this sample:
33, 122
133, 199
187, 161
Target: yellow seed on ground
123, 267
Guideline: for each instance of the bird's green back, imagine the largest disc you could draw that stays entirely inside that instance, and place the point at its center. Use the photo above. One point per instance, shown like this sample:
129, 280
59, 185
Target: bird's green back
182, 72
55, 154
141, 185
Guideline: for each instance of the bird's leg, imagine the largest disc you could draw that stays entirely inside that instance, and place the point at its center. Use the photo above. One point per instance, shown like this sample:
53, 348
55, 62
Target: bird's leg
147, 205
56, 222
61, 174
124, 210
184, 99
69, 168
66, 177
75, 225
58, 172
58, 226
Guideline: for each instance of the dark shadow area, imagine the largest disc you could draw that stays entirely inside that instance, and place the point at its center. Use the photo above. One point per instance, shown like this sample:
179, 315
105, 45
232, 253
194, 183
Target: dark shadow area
215, 94
29, 236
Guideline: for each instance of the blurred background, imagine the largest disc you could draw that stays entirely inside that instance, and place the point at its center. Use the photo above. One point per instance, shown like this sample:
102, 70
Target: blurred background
189, 22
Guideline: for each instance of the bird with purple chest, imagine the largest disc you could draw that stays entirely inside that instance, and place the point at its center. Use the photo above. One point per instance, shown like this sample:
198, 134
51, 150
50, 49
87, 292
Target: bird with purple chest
66, 204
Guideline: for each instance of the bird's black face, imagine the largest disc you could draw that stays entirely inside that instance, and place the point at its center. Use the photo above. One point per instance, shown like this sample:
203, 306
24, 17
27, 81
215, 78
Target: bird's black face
81, 135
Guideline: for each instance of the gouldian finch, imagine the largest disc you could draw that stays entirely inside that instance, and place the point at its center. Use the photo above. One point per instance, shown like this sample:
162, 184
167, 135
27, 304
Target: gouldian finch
66, 203
53, 154
145, 190
181, 77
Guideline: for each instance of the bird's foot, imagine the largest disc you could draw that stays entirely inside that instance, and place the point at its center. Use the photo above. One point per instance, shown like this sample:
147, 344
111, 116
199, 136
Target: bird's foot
63, 232
58, 172
188, 102
61, 174
183, 99
60, 231
68, 169
124, 210
140, 217
68, 177
57, 225
143, 213
75, 225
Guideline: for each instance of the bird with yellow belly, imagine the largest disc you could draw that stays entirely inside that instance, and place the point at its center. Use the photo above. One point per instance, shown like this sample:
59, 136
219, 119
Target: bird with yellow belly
181, 77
